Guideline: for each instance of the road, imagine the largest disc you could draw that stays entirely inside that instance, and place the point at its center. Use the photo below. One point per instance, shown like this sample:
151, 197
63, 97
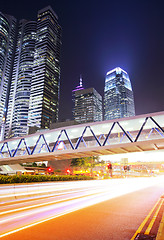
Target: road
100, 210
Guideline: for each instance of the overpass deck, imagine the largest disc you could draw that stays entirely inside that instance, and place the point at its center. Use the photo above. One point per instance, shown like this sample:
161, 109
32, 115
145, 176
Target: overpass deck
134, 134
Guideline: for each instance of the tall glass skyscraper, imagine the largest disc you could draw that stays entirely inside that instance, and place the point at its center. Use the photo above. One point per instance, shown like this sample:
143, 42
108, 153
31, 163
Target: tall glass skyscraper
44, 96
34, 88
17, 114
87, 104
7, 49
118, 95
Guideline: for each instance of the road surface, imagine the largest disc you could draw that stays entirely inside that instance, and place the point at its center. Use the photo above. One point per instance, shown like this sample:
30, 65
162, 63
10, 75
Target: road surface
99, 210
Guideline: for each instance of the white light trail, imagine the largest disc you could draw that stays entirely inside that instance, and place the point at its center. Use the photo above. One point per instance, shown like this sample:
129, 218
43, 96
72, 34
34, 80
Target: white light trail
80, 195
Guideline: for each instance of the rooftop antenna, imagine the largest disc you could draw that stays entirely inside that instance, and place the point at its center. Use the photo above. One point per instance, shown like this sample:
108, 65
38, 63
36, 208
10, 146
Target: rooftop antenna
81, 81
80, 87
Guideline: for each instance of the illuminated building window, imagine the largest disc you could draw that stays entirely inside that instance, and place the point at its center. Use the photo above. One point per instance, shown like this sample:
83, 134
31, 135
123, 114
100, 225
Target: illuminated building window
118, 94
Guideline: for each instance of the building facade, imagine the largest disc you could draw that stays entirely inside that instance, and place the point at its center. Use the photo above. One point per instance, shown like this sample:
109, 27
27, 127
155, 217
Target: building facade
32, 86
44, 96
7, 49
118, 95
17, 114
87, 104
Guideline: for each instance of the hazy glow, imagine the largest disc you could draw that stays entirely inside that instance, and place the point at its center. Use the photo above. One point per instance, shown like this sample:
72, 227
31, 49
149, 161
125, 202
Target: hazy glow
149, 156
118, 70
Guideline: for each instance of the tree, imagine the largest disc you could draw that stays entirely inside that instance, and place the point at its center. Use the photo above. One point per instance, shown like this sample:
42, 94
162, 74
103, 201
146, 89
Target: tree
91, 162
43, 165
34, 164
85, 162
102, 162
77, 162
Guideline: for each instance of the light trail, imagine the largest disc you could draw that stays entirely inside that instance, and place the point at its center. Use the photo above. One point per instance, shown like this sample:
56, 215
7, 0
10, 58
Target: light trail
47, 203
42, 204
28, 191
80, 195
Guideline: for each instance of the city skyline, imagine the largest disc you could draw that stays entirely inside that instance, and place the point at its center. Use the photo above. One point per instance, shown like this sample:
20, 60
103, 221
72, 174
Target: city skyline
102, 40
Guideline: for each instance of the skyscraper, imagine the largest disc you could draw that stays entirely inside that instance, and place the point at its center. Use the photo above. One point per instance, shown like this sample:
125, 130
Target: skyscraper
118, 95
34, 90
44, 96
7, 47
17, 114
87, 104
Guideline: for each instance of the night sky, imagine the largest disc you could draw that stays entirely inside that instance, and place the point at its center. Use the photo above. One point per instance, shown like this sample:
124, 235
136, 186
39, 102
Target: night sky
98, 36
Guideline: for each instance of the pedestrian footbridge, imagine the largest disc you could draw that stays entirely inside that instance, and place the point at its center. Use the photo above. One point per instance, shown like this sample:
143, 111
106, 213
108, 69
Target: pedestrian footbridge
133, 134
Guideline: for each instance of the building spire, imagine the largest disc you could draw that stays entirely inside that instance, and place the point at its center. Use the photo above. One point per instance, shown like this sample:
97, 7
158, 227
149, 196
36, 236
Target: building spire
81, 81
80, 87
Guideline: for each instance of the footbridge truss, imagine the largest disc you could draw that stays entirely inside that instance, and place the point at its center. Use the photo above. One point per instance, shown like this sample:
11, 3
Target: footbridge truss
134, 134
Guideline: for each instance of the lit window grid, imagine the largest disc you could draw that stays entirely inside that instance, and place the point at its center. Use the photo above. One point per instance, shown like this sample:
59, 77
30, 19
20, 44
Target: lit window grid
21, 81
46, 57
118, 95
8, 28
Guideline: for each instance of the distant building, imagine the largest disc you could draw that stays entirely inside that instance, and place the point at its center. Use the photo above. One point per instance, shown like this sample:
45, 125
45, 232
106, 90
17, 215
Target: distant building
53, 126
87, 104
7, 50
63, 124
118, 95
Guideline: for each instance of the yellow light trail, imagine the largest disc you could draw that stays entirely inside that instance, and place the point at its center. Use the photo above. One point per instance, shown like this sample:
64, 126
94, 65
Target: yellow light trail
86, 194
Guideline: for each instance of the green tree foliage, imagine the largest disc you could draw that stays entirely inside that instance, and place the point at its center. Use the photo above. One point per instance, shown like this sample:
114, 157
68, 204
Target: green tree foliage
86, 162
78, 162
102, 162
43, 165
34, 164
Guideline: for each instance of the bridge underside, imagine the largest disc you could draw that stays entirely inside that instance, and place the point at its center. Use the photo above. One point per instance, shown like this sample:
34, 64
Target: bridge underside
86, 152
